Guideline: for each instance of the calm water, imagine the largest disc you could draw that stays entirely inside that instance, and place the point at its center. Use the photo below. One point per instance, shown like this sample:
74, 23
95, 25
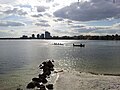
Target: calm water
19, 60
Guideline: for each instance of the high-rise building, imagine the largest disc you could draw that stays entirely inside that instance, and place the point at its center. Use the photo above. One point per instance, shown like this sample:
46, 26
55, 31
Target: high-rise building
42, 36
47, 35
33, 35
38, 36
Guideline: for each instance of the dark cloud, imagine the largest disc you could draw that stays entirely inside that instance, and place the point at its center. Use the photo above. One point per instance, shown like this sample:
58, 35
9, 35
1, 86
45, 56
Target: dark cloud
43, 21
78, 26
47, 14
41, 8
60, 19
69, 22
42, 24
16, 11
11, 23
37, 15
88, 11
98, 28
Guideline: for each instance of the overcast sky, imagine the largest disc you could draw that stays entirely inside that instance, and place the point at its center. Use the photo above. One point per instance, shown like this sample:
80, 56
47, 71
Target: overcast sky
60, 17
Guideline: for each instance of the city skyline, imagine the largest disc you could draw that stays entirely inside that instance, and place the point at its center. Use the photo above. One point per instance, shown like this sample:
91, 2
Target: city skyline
62, 18
47, 35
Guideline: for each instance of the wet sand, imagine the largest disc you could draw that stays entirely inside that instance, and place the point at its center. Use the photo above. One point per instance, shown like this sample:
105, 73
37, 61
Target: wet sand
72, 80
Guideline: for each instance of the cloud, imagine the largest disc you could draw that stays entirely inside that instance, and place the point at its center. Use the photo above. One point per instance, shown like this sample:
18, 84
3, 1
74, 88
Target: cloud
43, 21
7, 1
58, 19
42, 24
41, 8
117, 26
37, 15
15, 11
11, 23
78, 26
96, 30
24, 6
90, 10
104, 32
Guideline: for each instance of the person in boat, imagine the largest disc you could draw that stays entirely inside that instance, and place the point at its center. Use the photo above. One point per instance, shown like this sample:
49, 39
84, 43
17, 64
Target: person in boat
81, 45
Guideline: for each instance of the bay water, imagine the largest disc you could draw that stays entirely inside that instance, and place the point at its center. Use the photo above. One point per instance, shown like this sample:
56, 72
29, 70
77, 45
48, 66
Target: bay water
19, 59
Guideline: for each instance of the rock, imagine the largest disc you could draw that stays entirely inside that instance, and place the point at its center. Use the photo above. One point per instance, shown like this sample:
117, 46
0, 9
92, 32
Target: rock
49, 86
19, 89
37, 80
51, 69
44, 81
47, 72
37, 85
31, 85
42, 76
42, 87
50, 64
47, 68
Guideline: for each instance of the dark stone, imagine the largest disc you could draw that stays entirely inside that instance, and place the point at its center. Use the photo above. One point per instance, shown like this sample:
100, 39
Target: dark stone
53, 61
47, 72
19, 89
44, 81
50, 64
40, 65
46, 64
41, 76
42, 87
37, 85
47, 67
49, 86
51, 69
31, 85
37, 80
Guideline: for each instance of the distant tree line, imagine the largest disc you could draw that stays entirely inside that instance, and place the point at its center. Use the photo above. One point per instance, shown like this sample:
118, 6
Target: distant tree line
89, 37
47, 35
80, 37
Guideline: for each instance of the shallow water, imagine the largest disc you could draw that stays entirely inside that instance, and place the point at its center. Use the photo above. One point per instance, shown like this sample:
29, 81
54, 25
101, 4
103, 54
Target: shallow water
19, 60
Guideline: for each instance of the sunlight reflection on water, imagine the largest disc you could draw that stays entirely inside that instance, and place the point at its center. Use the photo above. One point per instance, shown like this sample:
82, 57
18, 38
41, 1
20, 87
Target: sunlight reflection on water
19, 60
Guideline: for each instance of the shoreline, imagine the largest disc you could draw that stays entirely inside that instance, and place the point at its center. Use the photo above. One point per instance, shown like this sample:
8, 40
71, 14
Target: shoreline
73, 80
54, 39
105, 74
64, 79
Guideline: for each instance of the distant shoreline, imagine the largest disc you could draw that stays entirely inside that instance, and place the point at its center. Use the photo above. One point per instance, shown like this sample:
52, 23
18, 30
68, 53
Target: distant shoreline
49, 39
105, 74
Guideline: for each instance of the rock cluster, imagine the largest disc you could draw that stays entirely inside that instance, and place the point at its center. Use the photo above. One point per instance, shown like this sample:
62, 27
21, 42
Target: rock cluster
40, 82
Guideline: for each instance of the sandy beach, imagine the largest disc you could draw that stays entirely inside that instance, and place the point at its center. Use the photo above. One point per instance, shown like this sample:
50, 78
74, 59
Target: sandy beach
72, 80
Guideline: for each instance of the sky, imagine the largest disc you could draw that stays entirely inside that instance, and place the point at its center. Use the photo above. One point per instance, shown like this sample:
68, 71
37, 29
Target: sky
59, 17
